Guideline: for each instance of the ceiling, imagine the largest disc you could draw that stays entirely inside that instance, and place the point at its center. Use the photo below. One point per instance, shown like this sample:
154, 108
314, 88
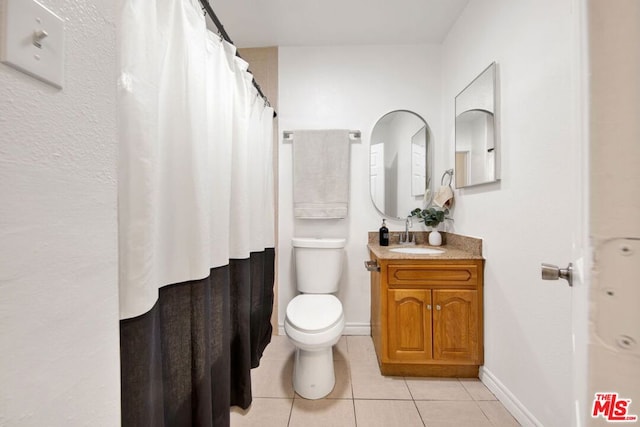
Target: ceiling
259, 23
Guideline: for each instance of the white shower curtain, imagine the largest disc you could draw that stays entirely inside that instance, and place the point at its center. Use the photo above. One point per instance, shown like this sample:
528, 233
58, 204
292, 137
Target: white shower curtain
196, 218
196, 178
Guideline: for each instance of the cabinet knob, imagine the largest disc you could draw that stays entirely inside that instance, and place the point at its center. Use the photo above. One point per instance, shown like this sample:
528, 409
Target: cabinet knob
438, 307
428, 306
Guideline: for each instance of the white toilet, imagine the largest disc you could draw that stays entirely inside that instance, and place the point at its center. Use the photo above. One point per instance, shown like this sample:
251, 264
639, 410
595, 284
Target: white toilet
314, 320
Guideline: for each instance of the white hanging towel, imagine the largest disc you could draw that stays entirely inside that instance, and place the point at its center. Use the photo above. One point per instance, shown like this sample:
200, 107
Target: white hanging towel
444, 197
321, 173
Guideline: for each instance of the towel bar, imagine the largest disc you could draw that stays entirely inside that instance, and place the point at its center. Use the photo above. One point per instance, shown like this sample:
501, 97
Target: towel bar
287, 134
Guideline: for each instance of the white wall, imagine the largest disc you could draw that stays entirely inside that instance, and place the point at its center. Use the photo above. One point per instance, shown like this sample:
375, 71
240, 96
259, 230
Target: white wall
531, 216
348, 87
58, 260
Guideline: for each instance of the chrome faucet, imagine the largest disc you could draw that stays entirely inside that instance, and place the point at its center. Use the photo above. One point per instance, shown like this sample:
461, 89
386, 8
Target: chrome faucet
408, 238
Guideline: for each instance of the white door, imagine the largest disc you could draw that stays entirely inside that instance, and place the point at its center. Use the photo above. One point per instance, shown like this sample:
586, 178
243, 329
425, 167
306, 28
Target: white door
377, 175
418, 168
614, 297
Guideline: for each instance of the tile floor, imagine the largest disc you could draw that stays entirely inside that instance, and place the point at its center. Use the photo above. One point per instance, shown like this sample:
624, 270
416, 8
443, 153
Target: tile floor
364, 398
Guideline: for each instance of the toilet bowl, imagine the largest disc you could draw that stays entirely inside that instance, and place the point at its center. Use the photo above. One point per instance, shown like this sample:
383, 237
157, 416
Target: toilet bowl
314, 324
314, 319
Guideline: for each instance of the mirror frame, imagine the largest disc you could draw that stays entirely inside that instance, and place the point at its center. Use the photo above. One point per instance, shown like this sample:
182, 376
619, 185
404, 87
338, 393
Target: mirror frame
495, 148
428, 161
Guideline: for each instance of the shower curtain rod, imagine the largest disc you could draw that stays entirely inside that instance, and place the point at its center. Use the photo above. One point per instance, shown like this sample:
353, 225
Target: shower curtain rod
209, 11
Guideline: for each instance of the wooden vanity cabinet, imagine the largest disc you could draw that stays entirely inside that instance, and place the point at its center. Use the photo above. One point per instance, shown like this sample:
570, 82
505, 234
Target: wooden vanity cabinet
426, 316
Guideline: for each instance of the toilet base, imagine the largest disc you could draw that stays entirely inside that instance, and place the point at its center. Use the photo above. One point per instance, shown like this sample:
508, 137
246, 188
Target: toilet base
313, 373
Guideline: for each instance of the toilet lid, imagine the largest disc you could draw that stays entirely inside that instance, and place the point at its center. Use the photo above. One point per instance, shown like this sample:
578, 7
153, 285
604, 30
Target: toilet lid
312, 312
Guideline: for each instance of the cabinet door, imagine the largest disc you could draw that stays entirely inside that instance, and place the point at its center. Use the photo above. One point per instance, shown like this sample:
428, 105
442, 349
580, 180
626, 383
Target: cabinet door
455, 325
409, 324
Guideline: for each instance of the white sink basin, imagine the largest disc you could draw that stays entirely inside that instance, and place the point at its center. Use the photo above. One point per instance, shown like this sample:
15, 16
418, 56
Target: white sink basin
418, 251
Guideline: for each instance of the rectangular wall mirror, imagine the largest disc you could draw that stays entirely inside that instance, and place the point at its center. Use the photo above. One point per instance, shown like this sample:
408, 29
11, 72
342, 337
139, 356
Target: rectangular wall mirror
476, 134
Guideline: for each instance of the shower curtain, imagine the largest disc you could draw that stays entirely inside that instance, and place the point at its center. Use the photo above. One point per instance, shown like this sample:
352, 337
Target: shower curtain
196, 219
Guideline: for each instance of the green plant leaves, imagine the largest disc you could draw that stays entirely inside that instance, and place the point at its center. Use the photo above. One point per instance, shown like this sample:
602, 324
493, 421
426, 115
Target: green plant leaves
431, 216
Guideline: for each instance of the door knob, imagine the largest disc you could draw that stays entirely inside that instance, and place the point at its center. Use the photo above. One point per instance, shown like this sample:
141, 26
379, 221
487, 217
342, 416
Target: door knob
552, 272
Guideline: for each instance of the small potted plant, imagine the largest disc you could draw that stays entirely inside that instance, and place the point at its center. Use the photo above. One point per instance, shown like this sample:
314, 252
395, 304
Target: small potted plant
432, 217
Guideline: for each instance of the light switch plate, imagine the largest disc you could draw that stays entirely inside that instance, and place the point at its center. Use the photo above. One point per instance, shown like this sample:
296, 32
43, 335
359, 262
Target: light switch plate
27, 24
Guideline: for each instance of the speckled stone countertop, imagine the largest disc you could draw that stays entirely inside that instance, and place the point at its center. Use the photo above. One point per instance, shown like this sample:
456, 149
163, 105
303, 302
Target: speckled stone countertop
455, 246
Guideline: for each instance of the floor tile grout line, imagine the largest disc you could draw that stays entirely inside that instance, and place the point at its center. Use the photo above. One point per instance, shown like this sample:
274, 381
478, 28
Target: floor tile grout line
290, 412
485, 415
353, 396
424, 423
489, 418
414, 401
465, 390
408, 388
377, 398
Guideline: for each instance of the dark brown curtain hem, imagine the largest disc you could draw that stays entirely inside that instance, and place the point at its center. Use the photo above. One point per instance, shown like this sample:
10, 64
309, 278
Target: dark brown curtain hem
189, 358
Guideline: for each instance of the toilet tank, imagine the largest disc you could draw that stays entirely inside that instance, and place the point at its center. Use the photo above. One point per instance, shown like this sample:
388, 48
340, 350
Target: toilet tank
318, 264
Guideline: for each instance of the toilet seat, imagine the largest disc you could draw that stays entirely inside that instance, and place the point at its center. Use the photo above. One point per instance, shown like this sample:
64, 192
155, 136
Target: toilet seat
314, 313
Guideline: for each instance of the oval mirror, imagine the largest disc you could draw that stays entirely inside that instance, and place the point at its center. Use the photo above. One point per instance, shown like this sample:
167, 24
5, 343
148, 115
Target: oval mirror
400, 163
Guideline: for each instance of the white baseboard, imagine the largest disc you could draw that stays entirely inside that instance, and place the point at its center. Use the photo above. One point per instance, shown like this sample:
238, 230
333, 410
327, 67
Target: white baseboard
357, 329
349, 329
510, 402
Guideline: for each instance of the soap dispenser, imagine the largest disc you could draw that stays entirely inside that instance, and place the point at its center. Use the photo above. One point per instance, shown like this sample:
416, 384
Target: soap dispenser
384, 234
